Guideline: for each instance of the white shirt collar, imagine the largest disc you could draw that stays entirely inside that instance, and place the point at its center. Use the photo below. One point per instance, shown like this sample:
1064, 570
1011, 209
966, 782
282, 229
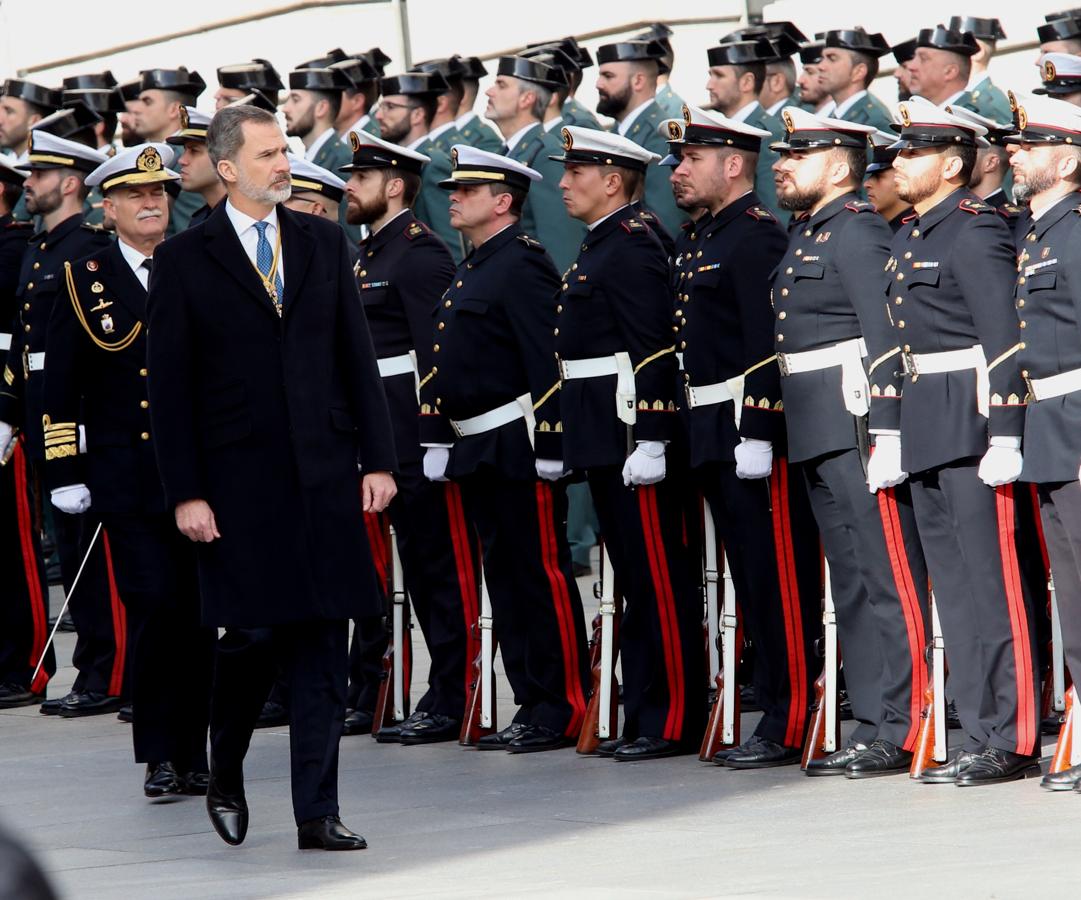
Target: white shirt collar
135, 259
388, 221
628, 120
593, 225
553, 123
513, 140
829, 111
417, 142
465, 119
242, 221
435, 132
844, 106
779, 105
975, 78
317, 144
951, 99
358, 125
742, 114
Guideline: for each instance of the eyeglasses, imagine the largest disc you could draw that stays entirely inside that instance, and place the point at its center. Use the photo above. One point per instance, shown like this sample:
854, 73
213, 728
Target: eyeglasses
389, 104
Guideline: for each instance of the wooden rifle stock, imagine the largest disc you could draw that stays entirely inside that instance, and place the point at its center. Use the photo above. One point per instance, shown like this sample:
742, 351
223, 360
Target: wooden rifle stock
931, 743
824, 728
480, 716
602, 712
392, 703
1068, 747
723, 729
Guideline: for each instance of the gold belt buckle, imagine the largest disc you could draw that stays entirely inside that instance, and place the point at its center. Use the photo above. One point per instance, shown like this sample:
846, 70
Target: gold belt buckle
908, 361
26, 362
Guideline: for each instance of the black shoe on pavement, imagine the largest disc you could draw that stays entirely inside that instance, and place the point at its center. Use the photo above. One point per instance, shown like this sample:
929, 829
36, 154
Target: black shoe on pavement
1066, 780
196, 783
433, 728
273, 715
763, 755
609, 747
124, 714
537, 738
328, 833
995, 766
162, 780
358, 721
881, 758
835, 763
500, 739
392, 734
89, 703
947, 773
52, 707
14, 695
720, 756
228, 813
647, 748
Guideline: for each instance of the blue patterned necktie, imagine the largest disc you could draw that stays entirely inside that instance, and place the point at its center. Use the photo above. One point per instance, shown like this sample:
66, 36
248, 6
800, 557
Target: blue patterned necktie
264, 259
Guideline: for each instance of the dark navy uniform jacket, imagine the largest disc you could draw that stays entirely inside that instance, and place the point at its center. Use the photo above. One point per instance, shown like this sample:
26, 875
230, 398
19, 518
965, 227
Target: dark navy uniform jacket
827, 290
14, 236
494, 340
41, 282
949, 287
615, 298
722, 298
402, 271
1048, 302
97, 376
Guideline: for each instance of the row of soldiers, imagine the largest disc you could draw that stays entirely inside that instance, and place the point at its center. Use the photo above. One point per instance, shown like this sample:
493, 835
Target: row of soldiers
813, 380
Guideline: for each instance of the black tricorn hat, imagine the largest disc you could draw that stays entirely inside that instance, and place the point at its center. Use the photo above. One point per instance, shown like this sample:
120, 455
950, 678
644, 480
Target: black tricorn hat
326, 80
357, 70
983, 29
414, 84
858, 40
451, 67
904, 51
742, 53
75, 122
378, 59
259, 73
180, 80
634, 51
1064, 29
533, 70
942, 38
474, 69
47, 98
321, 62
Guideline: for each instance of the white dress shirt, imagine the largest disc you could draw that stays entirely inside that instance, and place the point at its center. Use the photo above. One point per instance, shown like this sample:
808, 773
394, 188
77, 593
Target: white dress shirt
845, 106
244, 225
516, 138
741, 114
135, 259
358, 125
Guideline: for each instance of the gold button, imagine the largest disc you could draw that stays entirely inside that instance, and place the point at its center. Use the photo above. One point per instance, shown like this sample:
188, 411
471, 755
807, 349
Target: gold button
788, 271
447, 304
435, 370
469, 265
682, 275
693, 236
675, 328
682, 345
37, 265
441, 325
555, 331
915, 232
574, 267
807, 233
688, 256
1022, 345
142, 372
363, 272
782, 315
900, 323
458, 284
690, 275
26, 327
438, 401
566, 287
26, 306
435, 347
145, 436
144, 404
1024, 373
686, 298
371, 253
41, 246
559, 308
784, 292
30, 286
1023, 323
780, 338
908, 255
1031, 237
1020, 303
799, 252
908, 349
1021, 280
698, 254
897, 302
679, 313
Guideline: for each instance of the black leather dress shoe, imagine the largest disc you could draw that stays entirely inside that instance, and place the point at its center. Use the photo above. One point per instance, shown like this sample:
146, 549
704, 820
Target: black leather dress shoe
15, 695
1066, 780
498, 740
434, 728
357, 721
392, 734
328, 833
196, 783
720, 756
835, 763
995, 766
763, 755
273, 715
124, 714
88, 703
947, 773
610, 746
537, 738
881, 758
162, 780
228, 813
52, 707
647, 748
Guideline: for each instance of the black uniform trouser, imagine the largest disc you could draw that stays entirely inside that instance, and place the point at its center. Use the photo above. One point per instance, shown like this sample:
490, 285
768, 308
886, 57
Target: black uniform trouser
1060, 512
24, 610
968, 538
661, 648
1032, 558
438, 551
536, 608
172, 654
96, 607
879, 582
314, 656
768, 534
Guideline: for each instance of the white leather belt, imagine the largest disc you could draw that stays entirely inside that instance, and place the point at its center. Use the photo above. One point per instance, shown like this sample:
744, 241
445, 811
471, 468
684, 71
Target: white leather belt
35, 362
849, 356
495, 418
1054, 385
679, 359
396, 365
618, 364
709, 394
595, 367
953, 361
5, 340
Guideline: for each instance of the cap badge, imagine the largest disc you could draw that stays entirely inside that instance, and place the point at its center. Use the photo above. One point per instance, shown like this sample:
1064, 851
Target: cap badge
686, 114
185, 122
675, 131
789, 125
905, 120
568, 141
1013, 101
1022, 118
1048, 71
354, 141
149, 160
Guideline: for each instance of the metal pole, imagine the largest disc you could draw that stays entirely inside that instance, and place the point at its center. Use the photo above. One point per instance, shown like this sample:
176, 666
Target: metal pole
402, 15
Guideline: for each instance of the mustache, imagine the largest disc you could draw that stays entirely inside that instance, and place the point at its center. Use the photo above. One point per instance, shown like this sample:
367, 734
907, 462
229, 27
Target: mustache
148, 214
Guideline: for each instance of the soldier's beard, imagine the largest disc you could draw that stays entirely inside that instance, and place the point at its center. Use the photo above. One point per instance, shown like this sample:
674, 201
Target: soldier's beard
257, 193
614, 104
395, 134
917, 188
799, 199
1035, 182
302, 126
43, 204
359, 213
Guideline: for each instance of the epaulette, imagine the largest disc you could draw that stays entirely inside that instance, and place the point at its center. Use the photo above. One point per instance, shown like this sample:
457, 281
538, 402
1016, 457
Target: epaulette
416, 229
632, 225
858, 206
646, 216
96, 229
1011, 209
761, 214
17, 223
688, 225
531, 243
975, 207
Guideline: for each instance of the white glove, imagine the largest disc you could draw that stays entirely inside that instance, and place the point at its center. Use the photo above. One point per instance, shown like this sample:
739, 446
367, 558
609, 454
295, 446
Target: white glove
645, 465
550, 469
72, 499
754, 458
1002, 462
884, 469
6, 431
435, 463
82, 439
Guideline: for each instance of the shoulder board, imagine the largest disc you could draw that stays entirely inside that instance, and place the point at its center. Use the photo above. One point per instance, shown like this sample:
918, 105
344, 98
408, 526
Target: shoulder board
416, 229
1010, 210
687, 226
858, 206
96, 229
531, 243
646, 216
633, 225
975, 207
18, 224
761, 214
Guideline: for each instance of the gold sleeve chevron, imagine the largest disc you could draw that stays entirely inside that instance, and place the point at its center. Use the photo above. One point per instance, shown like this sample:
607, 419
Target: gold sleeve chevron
61, 439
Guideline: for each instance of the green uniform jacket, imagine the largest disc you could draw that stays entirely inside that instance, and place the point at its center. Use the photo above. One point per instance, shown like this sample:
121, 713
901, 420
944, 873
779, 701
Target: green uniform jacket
332, 156
480, 134
991, 102
576, 114
763, 173
181, 210
544, 215
448, 139
658, 197
670, 102
869, 110
433, 202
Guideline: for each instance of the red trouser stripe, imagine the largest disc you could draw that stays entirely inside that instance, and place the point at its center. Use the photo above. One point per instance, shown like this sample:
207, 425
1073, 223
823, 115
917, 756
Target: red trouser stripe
120, 623
561, 602
790, 606
666, 609
1019, 625
30, 568
467, 578
910, 608
373, 525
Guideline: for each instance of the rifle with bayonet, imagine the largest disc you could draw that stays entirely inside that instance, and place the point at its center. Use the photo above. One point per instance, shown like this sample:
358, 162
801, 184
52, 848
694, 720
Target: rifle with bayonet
480, 715
824, 732
392, 704
602, 713
722, 729
931, 744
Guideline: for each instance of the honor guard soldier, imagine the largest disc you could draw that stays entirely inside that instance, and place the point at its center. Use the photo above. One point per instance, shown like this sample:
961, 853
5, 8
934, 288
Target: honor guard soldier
879, 184
24, 610
813, 95
737, 71
405, 115
987, 99
942, 66
161, 94
473, 130
1061, 77
197, 173
779, 85
97, 91
239, 80
516, 103
1060, 33
736, 428
830, 330
573, 111
402, 271
618, 406
991, 178
444, 132
670, 102
955, 424
904, 53
22, 105
848, 66
55, 191
359, 98
626, 89
1047, 171
97, 375
494, 392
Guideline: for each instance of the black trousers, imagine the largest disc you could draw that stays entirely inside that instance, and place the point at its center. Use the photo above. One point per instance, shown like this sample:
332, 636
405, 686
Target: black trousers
771, 542
171, 653
879, 581
313, 656
439, 556
1060, 512
967, 531
24, 626
536, 609
661, 648
1034, 564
